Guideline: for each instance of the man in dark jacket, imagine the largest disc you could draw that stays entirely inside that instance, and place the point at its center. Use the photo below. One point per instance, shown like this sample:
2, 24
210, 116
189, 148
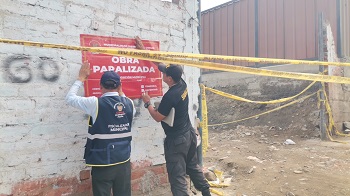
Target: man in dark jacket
108, 148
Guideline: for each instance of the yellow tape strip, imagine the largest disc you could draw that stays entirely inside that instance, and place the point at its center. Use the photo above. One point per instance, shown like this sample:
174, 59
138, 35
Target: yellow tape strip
331, 124
204, 123
210, 57
273, 110
260, 102
146, 55
221, 185
216, 192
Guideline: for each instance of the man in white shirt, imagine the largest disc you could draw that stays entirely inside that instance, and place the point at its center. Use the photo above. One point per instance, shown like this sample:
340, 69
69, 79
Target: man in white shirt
108, 148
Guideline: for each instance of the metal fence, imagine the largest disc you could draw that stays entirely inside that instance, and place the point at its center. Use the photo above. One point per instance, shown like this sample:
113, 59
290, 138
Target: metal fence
273, 28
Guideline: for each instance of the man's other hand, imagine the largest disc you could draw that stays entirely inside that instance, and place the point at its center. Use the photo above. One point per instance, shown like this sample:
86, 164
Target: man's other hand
139, 44
145, 97
84, 71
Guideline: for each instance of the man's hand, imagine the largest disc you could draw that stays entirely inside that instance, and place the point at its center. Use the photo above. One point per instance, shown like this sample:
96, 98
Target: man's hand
139, 44
145, 97
84, 71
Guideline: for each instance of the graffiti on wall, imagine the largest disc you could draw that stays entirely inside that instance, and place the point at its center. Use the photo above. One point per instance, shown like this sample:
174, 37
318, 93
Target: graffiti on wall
23, 68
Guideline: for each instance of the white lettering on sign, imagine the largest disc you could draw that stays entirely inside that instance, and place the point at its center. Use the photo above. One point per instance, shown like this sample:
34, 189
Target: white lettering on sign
116, 59
123, 69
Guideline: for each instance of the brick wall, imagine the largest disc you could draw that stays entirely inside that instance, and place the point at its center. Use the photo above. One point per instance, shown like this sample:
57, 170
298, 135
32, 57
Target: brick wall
41, 138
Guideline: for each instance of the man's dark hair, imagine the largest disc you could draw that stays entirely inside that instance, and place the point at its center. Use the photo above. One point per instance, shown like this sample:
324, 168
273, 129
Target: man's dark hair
172, 70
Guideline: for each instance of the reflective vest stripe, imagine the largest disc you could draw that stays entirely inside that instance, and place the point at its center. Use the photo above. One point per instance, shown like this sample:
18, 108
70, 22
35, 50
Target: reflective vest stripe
109, 136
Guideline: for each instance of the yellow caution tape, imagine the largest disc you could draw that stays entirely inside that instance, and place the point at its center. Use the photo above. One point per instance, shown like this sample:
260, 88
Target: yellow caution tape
209, 57
220, 185
216, 192
150, 55
204, 123
260, 102
273, 110
331, 124
219, 174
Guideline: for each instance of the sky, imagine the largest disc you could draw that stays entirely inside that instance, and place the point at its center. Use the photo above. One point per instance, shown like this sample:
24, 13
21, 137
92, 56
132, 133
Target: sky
207, 4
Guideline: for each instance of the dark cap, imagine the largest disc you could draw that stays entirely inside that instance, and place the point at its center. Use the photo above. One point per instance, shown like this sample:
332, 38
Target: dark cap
110, 80
175, 71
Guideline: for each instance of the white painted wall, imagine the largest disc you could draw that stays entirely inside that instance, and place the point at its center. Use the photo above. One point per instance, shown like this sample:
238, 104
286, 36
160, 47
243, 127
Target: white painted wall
42, 137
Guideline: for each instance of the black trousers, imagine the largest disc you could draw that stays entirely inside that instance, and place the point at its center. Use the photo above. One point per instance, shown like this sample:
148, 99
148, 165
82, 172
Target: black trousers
116, 178
181, 159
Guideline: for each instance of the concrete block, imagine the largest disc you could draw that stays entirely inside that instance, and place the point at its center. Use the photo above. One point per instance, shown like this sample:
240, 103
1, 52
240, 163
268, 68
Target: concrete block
102, 26
5, 188
34, 144
143, 24
6, 147
40, 170
17, 8
12, 33
176, 32
71, 168
81, 10
43, 26
160, 28
1, 26
12, 176
104, 15
20, 104
54, 155
7, 90
29, 2
93, 5
77, 19
45, 14
14, 21
36, 90
73, 57
14, 133
53, 5
126, 20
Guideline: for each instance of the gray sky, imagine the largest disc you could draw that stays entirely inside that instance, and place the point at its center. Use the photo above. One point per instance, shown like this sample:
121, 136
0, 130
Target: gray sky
207, 4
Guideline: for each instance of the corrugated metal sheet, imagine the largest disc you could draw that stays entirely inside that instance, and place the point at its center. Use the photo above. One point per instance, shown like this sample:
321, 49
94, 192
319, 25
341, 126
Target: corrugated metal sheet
344, 22
270, 28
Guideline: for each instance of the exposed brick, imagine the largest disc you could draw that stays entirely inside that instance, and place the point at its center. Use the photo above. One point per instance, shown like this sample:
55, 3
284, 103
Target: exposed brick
140, 164
85, 174
158, 169
84, 187
59, 191
163, 179
135, 185
137, 174
53, 187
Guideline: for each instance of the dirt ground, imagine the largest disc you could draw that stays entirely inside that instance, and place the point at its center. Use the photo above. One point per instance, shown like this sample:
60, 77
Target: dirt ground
254, 154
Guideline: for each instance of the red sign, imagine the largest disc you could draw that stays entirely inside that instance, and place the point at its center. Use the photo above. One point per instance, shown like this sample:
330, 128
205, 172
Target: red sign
137, 76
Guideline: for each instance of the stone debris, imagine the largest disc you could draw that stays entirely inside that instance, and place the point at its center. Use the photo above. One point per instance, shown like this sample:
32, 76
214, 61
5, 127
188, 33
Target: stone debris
254, 159
251, 170
298, 171
289, 142
273, 148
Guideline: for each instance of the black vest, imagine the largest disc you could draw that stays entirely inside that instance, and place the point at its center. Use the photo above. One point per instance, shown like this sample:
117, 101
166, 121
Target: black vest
109, 138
